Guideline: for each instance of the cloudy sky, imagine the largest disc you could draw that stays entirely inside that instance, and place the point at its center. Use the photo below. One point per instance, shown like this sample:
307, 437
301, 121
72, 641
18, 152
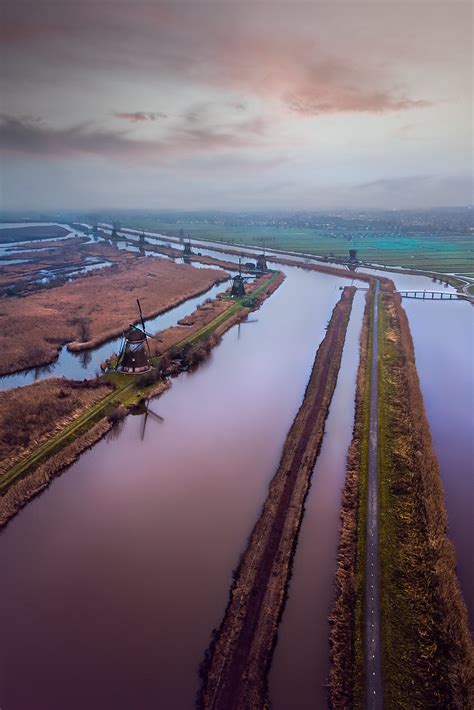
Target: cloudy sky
234, 104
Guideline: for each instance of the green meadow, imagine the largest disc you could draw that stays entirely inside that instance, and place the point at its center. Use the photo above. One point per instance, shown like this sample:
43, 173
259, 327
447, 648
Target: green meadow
449, 253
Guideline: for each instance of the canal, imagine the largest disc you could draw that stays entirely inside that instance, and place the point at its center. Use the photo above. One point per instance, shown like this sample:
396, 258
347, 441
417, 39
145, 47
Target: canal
126, 560
115, 576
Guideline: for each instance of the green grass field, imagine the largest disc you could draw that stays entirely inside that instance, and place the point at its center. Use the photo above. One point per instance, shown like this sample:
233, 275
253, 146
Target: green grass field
450, 253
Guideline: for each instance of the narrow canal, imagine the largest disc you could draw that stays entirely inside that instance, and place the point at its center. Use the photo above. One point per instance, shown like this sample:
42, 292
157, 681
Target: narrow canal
300, 664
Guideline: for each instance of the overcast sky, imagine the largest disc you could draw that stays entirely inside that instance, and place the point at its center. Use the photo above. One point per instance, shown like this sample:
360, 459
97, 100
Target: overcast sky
235, 105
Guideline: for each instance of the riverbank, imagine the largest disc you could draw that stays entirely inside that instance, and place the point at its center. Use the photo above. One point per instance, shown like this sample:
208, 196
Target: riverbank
30, 415
236, 664
34, 472
424, 619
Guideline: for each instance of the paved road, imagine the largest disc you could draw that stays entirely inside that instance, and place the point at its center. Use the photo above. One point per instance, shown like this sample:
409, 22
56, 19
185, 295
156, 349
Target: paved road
372, 644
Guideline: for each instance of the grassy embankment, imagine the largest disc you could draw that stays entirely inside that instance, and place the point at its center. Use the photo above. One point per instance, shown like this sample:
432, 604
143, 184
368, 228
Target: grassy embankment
428, 657
427, 650
35, 470
237, 661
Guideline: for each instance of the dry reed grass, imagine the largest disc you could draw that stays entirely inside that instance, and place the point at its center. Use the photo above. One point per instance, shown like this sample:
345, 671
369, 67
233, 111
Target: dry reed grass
35, 327
32, 414
428, 651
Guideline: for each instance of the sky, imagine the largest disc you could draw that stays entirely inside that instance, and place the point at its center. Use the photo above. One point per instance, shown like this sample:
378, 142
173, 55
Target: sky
235, 105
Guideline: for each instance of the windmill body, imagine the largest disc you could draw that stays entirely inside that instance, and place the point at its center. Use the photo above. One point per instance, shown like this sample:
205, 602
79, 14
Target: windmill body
353, 262
261, 263
238, 284
134, 353
134, 358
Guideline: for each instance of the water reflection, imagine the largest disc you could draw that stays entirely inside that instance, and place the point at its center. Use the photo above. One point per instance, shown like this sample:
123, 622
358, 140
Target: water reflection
161, 525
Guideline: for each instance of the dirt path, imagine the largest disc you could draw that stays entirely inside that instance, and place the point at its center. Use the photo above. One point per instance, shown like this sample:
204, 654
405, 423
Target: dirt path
235, 672
372, 644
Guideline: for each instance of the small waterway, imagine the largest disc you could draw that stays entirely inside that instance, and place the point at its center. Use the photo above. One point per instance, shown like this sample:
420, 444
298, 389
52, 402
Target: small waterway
86, 363
443, 336
114, 577
300, 665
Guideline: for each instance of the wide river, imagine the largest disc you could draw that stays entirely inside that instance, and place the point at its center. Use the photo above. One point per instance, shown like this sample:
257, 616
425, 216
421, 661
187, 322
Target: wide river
114, 577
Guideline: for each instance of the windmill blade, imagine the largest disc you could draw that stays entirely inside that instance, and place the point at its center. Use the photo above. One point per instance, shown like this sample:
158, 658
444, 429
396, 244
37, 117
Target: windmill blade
154, 414
143, 428
143, 326
141, 315
120, 355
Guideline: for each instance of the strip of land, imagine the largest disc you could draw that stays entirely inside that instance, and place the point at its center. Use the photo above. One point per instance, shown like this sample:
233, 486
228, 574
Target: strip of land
25, 234
424, 619
236, 665
427, 652
30, 466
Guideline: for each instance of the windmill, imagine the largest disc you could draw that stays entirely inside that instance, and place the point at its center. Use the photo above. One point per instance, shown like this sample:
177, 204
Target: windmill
115, 228
261, 261
134, 356
238, 283
141, 243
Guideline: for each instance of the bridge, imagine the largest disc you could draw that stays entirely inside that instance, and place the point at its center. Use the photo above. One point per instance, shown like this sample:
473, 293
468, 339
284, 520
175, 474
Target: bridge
436, 295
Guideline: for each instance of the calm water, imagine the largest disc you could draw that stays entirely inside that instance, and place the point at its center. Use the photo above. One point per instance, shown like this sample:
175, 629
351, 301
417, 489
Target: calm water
130, 552
300, 664
444, 345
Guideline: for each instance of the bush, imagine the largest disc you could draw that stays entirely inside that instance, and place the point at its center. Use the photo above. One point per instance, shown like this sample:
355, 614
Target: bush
147, 379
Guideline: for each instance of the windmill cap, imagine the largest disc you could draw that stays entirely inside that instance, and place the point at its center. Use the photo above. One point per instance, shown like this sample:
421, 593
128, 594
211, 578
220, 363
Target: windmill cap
134, 335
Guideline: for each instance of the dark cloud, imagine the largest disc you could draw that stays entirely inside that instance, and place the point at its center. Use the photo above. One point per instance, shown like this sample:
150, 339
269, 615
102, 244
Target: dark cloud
34, 137
137, 116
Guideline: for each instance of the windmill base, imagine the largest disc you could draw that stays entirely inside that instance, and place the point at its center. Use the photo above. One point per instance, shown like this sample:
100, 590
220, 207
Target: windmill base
135, 370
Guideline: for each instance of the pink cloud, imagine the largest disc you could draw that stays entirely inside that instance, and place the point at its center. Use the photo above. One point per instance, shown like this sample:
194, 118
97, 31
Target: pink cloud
302, 57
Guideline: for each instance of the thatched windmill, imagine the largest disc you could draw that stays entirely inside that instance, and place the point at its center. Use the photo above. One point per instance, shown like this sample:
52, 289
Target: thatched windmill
261, 264
238, 284
115, 229
134, 356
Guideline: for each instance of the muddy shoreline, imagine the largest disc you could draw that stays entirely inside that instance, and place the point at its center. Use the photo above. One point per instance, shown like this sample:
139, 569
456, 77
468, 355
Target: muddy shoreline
236, 664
